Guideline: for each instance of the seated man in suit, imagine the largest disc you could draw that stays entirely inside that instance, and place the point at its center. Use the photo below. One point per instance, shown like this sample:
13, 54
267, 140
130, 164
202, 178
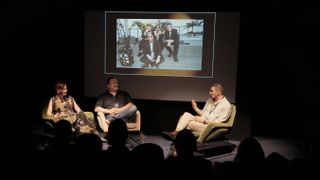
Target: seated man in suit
172, 38
152, 52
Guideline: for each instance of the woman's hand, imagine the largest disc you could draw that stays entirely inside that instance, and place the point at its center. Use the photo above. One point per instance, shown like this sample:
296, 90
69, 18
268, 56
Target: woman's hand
58, 115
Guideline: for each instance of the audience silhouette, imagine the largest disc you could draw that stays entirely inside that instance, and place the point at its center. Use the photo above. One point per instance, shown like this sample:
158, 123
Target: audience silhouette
117, 156
186, 164
250, 152
66, 156
150, 158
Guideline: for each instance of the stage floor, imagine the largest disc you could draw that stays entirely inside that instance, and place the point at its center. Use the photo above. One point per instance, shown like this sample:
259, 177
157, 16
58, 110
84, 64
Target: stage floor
289, 148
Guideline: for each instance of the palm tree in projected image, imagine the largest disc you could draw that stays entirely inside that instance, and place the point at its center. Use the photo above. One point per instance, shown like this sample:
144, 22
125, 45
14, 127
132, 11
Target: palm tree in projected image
191, 25
138, 24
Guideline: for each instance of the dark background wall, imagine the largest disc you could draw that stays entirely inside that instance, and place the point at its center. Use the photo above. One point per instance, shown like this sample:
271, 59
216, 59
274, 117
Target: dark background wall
277, 92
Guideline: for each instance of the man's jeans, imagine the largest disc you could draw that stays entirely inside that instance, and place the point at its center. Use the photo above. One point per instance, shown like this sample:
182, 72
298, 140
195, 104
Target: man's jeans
126, 115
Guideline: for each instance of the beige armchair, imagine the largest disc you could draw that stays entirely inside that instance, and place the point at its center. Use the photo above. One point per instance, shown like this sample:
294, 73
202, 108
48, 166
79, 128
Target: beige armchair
132, 126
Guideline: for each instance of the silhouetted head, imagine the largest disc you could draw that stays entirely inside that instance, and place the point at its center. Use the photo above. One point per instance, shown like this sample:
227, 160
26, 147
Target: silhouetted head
277, 160
117, 133
250, 152
63, 130
185, 143
148, 152
89, 142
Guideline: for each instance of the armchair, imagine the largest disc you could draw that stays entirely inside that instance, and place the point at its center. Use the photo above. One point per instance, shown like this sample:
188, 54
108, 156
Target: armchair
217, 131
132, 126
213, 140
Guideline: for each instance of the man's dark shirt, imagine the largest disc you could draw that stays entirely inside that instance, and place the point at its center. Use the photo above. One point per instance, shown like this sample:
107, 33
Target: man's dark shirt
107, 100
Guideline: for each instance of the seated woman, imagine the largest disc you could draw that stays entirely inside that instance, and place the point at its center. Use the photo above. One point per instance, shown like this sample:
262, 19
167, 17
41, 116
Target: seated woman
63, 106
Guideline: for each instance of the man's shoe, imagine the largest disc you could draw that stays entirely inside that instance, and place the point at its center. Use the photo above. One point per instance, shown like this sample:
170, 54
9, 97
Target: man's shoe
170, 136
102, 136
103, 139
170, 55
175, 59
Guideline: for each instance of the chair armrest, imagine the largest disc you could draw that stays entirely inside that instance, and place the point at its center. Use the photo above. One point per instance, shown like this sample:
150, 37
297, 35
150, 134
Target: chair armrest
136, 125
49, 118
210, 127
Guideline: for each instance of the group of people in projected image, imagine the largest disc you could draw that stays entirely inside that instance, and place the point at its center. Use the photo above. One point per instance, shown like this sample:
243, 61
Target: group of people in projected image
153, 41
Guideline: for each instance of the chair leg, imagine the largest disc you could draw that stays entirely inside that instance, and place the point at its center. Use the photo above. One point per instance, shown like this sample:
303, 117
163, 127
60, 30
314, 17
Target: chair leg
102, 122
131, 125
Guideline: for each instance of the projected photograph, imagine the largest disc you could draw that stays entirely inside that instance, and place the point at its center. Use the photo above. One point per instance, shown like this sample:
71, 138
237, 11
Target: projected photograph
160, 43
168, 44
